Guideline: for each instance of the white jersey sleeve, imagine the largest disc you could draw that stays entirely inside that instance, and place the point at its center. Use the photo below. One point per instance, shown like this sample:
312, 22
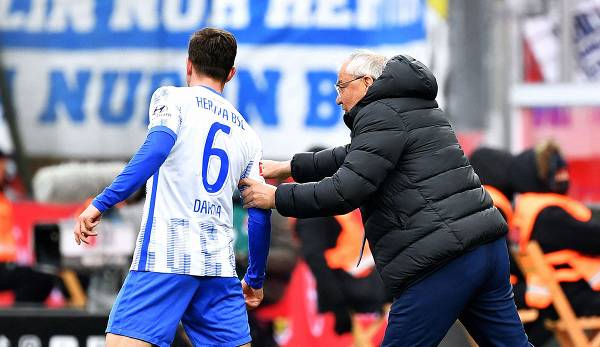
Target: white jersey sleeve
164, 111
253, 169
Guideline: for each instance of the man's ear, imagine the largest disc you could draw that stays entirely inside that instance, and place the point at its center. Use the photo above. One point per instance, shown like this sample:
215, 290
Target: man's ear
189, 67
231, 74
369, 81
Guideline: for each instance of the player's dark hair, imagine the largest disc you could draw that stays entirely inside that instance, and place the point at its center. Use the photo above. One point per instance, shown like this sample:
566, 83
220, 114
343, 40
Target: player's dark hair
212, 52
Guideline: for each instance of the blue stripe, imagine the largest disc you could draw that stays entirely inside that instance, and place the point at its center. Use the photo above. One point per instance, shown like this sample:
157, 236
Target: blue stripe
212, 90
148, 230
163, 129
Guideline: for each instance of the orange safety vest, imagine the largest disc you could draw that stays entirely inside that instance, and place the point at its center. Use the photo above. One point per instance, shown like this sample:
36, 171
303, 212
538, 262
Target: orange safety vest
527, 209
346, 253
502, 203
8, 248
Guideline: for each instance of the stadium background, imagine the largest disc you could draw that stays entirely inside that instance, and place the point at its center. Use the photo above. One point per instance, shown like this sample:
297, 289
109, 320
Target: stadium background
77, 76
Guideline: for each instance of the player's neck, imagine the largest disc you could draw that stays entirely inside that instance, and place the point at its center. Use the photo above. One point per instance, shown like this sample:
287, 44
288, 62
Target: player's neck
207, 82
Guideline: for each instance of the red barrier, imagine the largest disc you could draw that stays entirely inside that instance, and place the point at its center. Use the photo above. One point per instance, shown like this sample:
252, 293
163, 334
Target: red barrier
297, 321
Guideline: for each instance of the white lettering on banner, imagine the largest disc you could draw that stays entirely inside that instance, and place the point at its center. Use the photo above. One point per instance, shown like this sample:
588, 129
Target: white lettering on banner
234, 14
177, 21
79, 12
10, 21
366, 13
37, 16
63, 341
134, 13
33, 21
339, 14
4, 341
333, 14
288, 13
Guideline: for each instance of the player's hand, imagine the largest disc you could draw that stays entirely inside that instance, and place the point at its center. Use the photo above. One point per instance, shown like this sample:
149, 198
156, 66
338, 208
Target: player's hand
257, 194
85, 224
252, 296
281, 170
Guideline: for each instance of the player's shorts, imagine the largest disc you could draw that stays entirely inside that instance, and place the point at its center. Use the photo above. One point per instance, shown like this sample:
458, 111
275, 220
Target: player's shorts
151, 304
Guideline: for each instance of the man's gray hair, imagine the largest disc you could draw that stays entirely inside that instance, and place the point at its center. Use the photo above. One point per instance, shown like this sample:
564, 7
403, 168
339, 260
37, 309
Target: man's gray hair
363, 62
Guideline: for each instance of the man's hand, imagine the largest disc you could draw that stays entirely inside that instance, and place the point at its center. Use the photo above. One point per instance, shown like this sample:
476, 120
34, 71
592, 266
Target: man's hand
281, 170
85, 224
257, 194
252, 296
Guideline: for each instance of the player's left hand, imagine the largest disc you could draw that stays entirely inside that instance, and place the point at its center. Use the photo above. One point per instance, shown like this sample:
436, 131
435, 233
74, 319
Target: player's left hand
85, 224
257, 194
252, 296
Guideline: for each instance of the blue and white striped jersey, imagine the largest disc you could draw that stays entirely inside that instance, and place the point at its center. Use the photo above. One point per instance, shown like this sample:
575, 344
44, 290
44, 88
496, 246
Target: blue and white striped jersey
187, 226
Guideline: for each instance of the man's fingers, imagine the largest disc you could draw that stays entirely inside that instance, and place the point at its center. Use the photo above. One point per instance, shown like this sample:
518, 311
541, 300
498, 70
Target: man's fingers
252, 303
246, 192
247, 182
76, 234
89, 227
248, 203
83, 233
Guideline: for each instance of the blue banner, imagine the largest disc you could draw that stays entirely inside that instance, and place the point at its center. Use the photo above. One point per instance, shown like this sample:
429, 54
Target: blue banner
83, 71
87, 24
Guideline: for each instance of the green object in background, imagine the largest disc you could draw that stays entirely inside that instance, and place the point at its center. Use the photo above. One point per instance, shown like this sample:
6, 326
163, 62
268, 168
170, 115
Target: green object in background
240, 225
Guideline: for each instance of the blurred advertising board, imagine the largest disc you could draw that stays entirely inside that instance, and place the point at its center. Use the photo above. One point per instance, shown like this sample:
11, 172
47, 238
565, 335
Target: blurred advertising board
82, 71
38, 327
542, 36
568, 113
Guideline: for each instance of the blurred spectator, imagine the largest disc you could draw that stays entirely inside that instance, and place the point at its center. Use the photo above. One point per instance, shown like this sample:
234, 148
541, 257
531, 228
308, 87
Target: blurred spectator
73, 182
29, 286
7, 242
331, 248
332, 252
283, 255
561, 225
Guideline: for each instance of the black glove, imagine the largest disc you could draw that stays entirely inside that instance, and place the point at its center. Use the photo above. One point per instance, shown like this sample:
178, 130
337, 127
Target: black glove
343, 321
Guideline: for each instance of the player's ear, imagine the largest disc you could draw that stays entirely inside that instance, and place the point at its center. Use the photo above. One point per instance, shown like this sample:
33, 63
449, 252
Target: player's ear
189, 68
231, 74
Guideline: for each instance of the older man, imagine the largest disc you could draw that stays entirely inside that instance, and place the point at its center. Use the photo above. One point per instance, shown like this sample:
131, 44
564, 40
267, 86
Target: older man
436, 238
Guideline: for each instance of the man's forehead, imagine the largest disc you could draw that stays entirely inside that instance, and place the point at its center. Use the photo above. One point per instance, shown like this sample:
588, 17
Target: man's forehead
342, 70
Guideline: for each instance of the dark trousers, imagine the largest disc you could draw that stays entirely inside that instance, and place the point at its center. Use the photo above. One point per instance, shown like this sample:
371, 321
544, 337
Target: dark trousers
473, 288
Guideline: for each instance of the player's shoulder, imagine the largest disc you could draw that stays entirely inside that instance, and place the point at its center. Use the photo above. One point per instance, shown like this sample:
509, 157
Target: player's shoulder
252, 138
169, 93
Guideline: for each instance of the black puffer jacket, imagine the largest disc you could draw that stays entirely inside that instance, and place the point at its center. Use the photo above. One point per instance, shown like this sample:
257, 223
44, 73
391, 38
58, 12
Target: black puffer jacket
422, 204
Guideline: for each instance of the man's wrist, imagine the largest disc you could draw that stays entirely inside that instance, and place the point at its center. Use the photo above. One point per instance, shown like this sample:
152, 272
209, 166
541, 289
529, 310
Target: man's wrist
285, 170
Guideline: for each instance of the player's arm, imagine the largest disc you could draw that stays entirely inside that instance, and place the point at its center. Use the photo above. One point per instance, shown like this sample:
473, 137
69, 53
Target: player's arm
259, 239
152, 154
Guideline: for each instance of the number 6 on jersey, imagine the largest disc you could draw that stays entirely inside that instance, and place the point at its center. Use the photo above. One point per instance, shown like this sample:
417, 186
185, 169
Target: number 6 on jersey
209, 151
